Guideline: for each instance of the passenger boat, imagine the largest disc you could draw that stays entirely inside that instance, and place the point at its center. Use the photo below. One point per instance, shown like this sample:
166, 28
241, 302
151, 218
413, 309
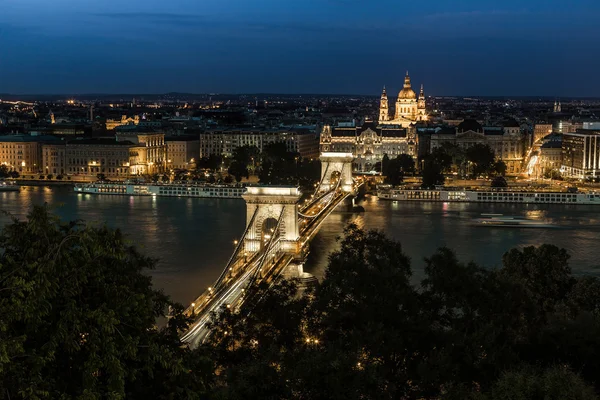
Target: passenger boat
9, 187
507, 221
385, 192
168, 190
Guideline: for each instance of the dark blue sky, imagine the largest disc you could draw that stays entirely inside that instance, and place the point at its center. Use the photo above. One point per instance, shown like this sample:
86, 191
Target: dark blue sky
454, 47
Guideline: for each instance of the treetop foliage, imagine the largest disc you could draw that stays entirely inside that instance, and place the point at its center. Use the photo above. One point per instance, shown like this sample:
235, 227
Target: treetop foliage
78, 321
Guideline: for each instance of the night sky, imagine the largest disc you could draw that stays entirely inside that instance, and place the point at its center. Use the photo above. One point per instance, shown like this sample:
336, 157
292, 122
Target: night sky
454, 47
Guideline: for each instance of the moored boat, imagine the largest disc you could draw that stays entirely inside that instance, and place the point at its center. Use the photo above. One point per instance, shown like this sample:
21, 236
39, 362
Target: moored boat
9, 187
168, 190
487, 196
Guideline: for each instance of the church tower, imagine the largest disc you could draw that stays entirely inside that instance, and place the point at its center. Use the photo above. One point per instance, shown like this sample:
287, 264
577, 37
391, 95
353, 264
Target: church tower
421, 105
384, 112
557, 106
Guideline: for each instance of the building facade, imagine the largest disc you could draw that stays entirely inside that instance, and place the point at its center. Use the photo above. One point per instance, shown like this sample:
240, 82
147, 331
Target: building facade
408, 109
540, 131
507, 141
54, 158
581, 154
224, 141
182, 152
23, 153
149, 155
550, 158
86, 158
367, 143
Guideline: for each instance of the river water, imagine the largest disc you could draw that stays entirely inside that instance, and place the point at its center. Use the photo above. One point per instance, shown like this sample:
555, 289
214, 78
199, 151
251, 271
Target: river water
193, 238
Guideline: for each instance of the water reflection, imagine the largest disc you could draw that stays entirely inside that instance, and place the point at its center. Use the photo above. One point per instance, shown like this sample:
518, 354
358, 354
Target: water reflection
192, 237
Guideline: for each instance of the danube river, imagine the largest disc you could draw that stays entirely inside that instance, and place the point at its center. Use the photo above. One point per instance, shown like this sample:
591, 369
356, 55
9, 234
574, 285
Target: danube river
193, 238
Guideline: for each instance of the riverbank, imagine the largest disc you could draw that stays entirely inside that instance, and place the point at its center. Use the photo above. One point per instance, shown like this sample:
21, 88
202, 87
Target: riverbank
43, 183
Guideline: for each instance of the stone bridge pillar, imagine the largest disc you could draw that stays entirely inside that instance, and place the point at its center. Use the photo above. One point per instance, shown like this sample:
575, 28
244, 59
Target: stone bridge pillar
333, 164
271, 200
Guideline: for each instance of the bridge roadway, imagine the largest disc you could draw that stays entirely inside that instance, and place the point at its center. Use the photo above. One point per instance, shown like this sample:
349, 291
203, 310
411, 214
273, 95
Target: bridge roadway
262, 266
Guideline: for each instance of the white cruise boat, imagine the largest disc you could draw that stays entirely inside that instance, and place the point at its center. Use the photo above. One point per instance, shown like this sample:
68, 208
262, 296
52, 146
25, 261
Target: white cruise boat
168, 190
385, 192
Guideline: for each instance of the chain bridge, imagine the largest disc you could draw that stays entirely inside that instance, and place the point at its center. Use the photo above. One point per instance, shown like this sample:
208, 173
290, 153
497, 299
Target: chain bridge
275, 242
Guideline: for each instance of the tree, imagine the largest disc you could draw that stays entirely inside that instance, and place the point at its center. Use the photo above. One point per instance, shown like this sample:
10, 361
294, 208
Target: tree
499, 182
432, 173
385, 164
553, 383
398, 167
552, 174
212, 162
481, 156
406, 163
59, 177
440, 156
101, 177
78, 318
49, 176
239, 170
165, 178
499, 168
544, 272
228, 179
4, 172
278, 165
13, 174
456, 154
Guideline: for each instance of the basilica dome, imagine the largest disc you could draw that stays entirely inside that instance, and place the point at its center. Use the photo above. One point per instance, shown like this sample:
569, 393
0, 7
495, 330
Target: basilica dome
407, 92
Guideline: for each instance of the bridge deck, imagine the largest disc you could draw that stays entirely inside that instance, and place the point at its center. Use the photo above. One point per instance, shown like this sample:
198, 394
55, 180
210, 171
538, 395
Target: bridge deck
264, 266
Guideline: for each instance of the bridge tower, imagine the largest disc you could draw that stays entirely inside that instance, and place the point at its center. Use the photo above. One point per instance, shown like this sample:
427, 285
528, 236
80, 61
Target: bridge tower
269, 208
333, 165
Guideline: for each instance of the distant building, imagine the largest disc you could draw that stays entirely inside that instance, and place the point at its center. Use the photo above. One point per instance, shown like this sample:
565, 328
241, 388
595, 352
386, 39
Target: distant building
368, 143
89, 157
507, 141
54, 158
23, 153
149, 156
581, 154
182, 151
591, 125
550, 157
567, 126
408, 110
224, 141
540, 131
125, 120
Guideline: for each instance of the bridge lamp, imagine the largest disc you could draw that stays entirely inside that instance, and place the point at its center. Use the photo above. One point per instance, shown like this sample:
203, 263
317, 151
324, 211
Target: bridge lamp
235, 242
193, 305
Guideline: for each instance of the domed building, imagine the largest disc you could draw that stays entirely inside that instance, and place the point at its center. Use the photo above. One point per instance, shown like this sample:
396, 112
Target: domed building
409, 108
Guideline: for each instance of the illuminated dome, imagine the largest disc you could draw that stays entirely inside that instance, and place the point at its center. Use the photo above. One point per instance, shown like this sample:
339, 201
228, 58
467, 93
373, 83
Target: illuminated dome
407, 92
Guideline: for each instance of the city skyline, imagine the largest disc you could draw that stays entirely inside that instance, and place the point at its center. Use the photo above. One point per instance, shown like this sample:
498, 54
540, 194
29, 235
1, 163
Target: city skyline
318, 47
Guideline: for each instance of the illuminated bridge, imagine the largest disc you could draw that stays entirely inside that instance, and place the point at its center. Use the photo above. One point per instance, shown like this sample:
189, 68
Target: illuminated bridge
275, 242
